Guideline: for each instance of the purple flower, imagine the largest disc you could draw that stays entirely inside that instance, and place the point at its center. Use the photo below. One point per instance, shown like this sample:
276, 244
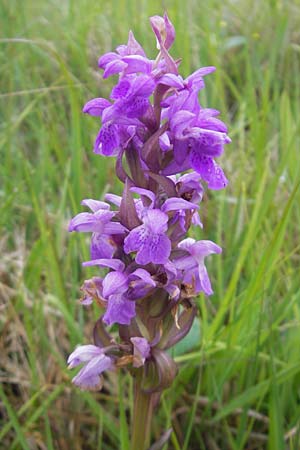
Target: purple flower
99, 221
128, 59
149, 240
121, 288
164, 31
196, 135
169, 280
141, 351
95, 362
131, 97
189, 188
192, 265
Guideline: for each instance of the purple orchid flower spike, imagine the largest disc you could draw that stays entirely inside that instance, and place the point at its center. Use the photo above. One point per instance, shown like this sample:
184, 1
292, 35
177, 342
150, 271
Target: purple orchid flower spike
166, 146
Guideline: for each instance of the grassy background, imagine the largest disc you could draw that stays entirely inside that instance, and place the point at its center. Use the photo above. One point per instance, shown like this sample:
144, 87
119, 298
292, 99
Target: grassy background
239, 385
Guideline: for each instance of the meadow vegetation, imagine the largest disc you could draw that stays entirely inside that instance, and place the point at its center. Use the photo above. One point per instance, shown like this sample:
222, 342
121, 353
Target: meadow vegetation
238, 385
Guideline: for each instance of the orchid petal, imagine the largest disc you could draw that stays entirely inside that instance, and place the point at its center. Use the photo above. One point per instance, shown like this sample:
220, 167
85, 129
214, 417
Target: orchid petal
113, 67
115, 264
137, 63
141, 350
94, 205
144, 276
83, 353
96, 106
101, 246
146, 193
174, 203
114, 283
88, 377
119, 310
88, 222
107, 58
108, 140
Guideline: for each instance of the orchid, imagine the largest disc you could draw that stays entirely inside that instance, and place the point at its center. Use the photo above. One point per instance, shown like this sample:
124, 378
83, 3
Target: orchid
150, 272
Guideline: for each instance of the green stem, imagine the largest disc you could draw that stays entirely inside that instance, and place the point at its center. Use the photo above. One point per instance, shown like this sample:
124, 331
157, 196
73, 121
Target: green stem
142, 415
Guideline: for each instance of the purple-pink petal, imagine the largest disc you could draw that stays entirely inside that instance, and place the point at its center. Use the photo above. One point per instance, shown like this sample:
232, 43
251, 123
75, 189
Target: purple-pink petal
121, 89
181, 148
119, 310
150, 246
88, 377
94, 205
133, 47
193, 266
156, 249
175, 203
108, 140
114, 283
114, 67
172, 80
181, 121
209, 170
89, 222
196, 77
149, 194
107, 58
101, 246
83, 353
115, 264
96, 106
164, 30
164, 142
156, 221
143, 275
137, 63
114, 228
141, 350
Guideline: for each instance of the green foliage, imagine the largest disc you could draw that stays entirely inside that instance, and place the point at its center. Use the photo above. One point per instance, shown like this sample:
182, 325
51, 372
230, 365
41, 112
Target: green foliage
238, 387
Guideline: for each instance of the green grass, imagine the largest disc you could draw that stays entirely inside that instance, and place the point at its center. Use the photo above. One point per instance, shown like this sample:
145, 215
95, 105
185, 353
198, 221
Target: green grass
239, 385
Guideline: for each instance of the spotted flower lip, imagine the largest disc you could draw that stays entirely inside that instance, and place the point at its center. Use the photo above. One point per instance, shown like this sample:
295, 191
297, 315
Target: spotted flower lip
149, 240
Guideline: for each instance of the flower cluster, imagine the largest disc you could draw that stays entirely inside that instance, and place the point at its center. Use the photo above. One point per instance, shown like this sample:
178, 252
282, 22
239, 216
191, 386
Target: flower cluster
156, 129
